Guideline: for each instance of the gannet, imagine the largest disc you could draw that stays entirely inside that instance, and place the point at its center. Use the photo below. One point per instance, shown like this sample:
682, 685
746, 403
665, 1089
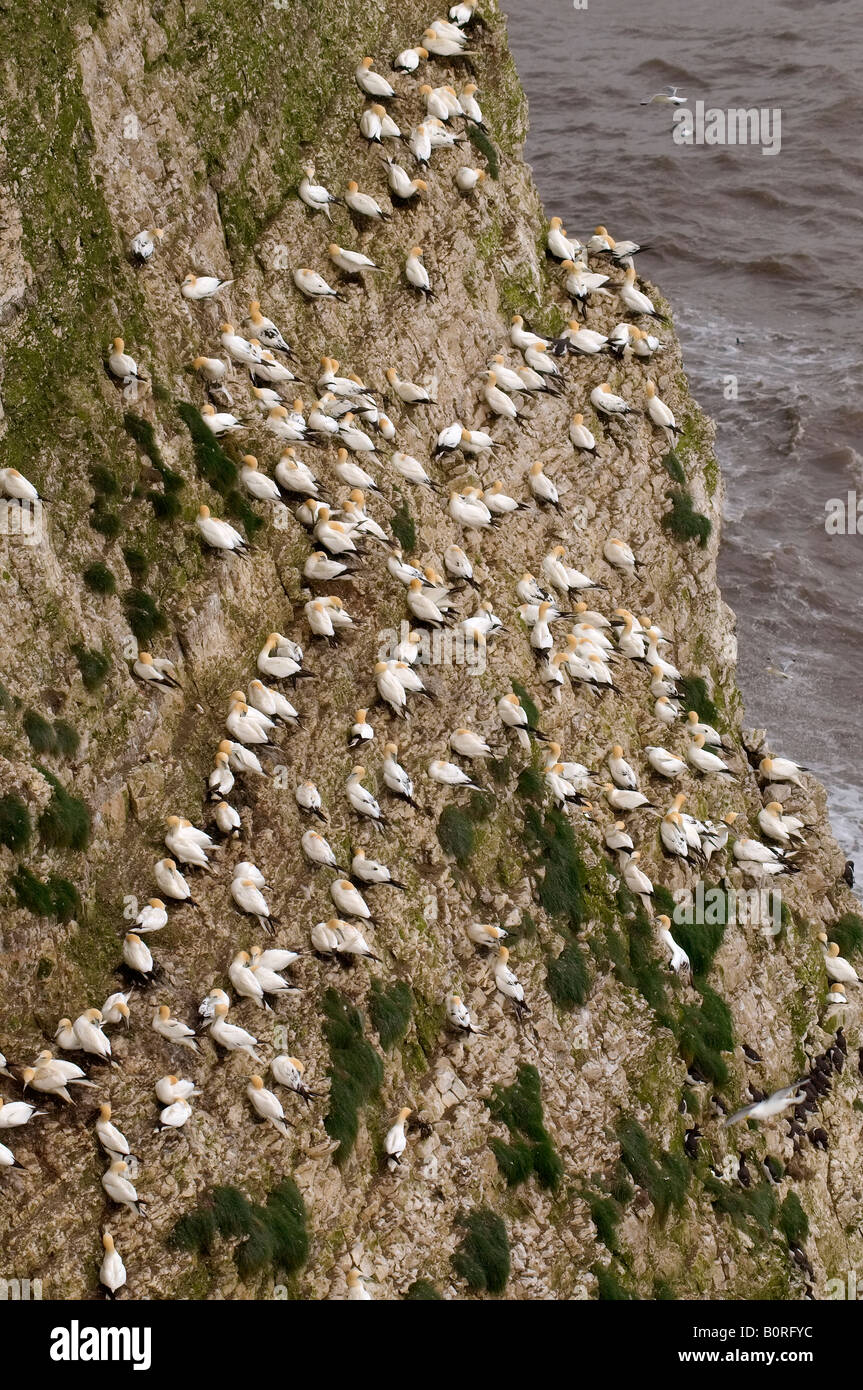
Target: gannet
522, 337
266, 963
643, 344
442, 44
118, 1187
238, 348
155, 670
65, 1036
220, 422
409, 59
475, 442
202, 286
51, 1075
246, 725
364, 205
469, 744
401, 185
621, 800
313, 194
505, 377
673, 835
171, 882
469, 509
786, 830
395, 1142
580, 282
371, 123
458, 565
121, 365
359, 798
87, 1030
257, 484
288, 1072
437, 101
617, 553
207, 1006
507, 983
667, 97
837, 967
267, 333
698, 757
173, 1029
562, 576
621, 773
110, 1137
349, 262
271, 703
320, 568
634, 876
661, 415
416, 273
186, 843
14, 1113
227, 819
707, 732
333, 535
357, 1291
390, 688
605, 402
704, 837
770, 1107
514, 716
136, 955
350, 940
634, 300
542, 488
372, 83
664, 710
14, 485
219, 535
679, 959
559, 245
496, 400
458, 1016
349, 900
174, 1116
408, 391
171, 1088
231, 1037
143, 244
250, 900
355, 438
484, 934
313, 285
266, 1104
663, 762
288, 425
468, 179
584, 341
449, 775
780, 770
112, 1271
371, 871
152, 917
751, 852
616, 838
410, 468
317, 850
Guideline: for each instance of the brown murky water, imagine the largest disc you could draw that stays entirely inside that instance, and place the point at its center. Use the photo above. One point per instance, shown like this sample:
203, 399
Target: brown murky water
761, 257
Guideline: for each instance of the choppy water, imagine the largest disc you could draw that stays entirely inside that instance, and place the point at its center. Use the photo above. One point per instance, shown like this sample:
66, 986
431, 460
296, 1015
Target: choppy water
762, 260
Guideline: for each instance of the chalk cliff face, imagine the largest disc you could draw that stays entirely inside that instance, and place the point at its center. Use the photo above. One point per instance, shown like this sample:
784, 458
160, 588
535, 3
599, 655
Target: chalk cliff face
198, 119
